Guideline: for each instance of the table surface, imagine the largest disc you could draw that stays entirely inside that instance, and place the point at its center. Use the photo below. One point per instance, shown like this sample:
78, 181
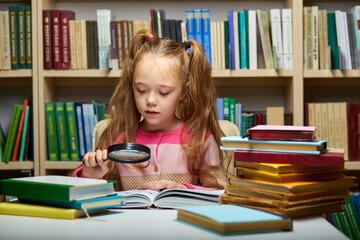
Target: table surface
146, 224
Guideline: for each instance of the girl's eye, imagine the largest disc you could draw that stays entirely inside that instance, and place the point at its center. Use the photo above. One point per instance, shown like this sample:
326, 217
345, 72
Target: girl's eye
141, 91
164, 93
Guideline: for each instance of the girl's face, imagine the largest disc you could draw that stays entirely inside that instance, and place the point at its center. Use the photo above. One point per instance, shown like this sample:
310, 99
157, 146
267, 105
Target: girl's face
157, 93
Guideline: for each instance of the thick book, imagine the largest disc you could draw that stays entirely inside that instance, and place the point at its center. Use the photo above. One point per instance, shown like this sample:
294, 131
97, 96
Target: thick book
233, 219
28, 36
14, 37
33, 210
56, 38
331, 158
72, 131
21, 36
239, 143
110, 201
47, 39
51, 132
281, 132
62, 132
65, 17
56, 188
10, 139
170, 198
294, 187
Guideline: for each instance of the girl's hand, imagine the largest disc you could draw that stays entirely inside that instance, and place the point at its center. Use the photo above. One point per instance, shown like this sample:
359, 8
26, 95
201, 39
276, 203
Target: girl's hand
95, 164
161, 184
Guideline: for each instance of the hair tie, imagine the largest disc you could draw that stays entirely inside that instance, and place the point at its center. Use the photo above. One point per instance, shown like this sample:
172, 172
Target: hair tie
185, 45
151, 39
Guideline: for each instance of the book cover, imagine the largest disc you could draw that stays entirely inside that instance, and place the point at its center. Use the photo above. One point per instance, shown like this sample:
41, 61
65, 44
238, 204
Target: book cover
233, 219
72, 131
62, 132
282, 132
56, 38
32, 210
14, 37
47, 39
56, 188
22, 36
306, 147
331, 158
10, 139
65, 17
15, 154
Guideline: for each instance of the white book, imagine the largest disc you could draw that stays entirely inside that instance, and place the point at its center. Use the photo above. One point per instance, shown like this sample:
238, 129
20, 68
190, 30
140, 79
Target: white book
262, 38
315, 37
236, 40
356, 12
104, 40
276, 34
252, 39
5, 41
84, 62
78, 45
286, 20
218, 44
222, 46
72, 30
347, 41
213, 49
341, 27
183, 31
326, 42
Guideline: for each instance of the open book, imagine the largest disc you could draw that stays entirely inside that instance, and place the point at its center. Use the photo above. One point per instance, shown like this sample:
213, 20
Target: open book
170, 198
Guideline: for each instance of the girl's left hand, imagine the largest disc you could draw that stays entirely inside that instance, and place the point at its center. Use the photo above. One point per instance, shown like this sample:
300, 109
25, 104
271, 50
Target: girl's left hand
161, 184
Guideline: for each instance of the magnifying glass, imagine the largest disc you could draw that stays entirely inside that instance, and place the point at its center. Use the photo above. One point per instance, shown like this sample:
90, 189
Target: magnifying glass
128, 153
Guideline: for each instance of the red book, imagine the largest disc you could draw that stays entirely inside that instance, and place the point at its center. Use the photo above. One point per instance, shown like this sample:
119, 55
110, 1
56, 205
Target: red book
65, 17
15, 155
56, 38
280, 132
153, 25
329, 159
47, 39
352, 111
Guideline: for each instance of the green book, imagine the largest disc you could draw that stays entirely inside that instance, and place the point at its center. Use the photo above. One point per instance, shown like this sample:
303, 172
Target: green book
22, 35
351, 215
28, 36
10, 140
56, 188
233, 219
23, 135
232, 102
51, 132
72, 131
62, 133
14, 38
227, 109
332, 38
226, 33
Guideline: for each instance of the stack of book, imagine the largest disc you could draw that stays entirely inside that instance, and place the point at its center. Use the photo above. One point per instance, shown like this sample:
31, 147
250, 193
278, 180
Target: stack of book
283, 170
58, 196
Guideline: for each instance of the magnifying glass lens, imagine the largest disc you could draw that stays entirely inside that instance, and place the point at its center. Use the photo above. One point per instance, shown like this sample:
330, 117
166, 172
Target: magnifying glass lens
128, 153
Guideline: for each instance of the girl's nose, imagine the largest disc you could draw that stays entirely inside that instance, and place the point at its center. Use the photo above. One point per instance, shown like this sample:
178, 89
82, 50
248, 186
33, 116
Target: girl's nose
151, 100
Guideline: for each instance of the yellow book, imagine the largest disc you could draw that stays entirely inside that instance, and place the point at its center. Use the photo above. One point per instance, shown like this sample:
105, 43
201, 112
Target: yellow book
32, 210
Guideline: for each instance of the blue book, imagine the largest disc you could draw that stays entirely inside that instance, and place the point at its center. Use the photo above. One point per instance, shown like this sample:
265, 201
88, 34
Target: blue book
238, 113
355, 200
189, 15
198, 29
80, 128
205, 15
227, 219
231, 39
220, 108
87, 131
243, 40
240, 143
89, 204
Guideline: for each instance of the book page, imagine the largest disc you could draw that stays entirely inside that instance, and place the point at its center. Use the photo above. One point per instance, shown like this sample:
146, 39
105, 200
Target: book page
138, 197
63, 180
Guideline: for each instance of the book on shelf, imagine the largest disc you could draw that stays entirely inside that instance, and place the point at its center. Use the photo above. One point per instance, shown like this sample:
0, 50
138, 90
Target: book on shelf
10, 139
47, 41
72, 131
109, 201
33, 210
21, 36
65, 17
62, 132
2, 143
233, 219
276, 36
5, 41
14, 37
281, 132
170, 198
306, 147
286, 23
19, 131
51, 132
28, 36
24, 134
56, 188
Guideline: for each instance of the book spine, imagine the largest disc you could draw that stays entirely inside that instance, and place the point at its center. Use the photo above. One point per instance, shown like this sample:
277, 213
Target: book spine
267, 40
72, 35
23, 135
220, 108
231, 39
276, 34
21, 35
56, 39
227, 109
198, 27
5, 41
80, 128
84, 57
243, 41
14, 37
90, 46
9, 145
28, 36
113, 61
189, 15
315, 37
236, 40
15, 154
51, 132
252, 40
72, 131
62, 131
78, 44
205, 15
286, 21
226, 41
65, 17
232, 103
47, 39
262, 38
350, 212
87, 131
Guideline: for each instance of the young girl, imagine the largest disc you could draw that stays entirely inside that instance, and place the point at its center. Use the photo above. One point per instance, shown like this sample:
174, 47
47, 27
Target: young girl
166, 100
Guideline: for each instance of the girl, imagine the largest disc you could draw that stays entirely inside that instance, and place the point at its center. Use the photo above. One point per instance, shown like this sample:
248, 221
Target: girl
166, 101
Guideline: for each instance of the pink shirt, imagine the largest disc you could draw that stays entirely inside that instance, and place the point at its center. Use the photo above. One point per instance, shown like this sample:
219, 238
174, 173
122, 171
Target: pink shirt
168, 161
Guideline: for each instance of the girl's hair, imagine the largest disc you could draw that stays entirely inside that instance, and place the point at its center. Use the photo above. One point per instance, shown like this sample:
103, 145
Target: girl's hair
197, 109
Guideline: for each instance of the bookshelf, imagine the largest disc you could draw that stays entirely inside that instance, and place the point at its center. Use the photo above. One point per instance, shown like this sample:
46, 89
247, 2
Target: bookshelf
288, 88
15, 86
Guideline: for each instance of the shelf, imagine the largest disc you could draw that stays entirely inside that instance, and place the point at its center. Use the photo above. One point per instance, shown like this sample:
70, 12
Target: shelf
264, 73
17, 165
352, 165
87, 73
63, 165
26, 73
331, 73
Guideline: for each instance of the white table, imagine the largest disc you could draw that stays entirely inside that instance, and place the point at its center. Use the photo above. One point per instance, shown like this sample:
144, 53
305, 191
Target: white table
145, 224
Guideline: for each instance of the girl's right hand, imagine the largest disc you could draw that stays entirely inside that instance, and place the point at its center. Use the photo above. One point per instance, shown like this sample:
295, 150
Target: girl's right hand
95, 164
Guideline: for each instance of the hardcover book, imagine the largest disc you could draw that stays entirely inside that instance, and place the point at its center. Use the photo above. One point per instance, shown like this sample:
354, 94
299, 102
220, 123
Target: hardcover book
47, 41
233, 219
239, 143
56, 188
281, 132
51, 132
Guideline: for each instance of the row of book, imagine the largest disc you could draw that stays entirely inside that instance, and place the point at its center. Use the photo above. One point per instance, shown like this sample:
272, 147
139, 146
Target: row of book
337, 123
331, 39
18, 145
281, 170
69, 128
16, 38
348, 221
